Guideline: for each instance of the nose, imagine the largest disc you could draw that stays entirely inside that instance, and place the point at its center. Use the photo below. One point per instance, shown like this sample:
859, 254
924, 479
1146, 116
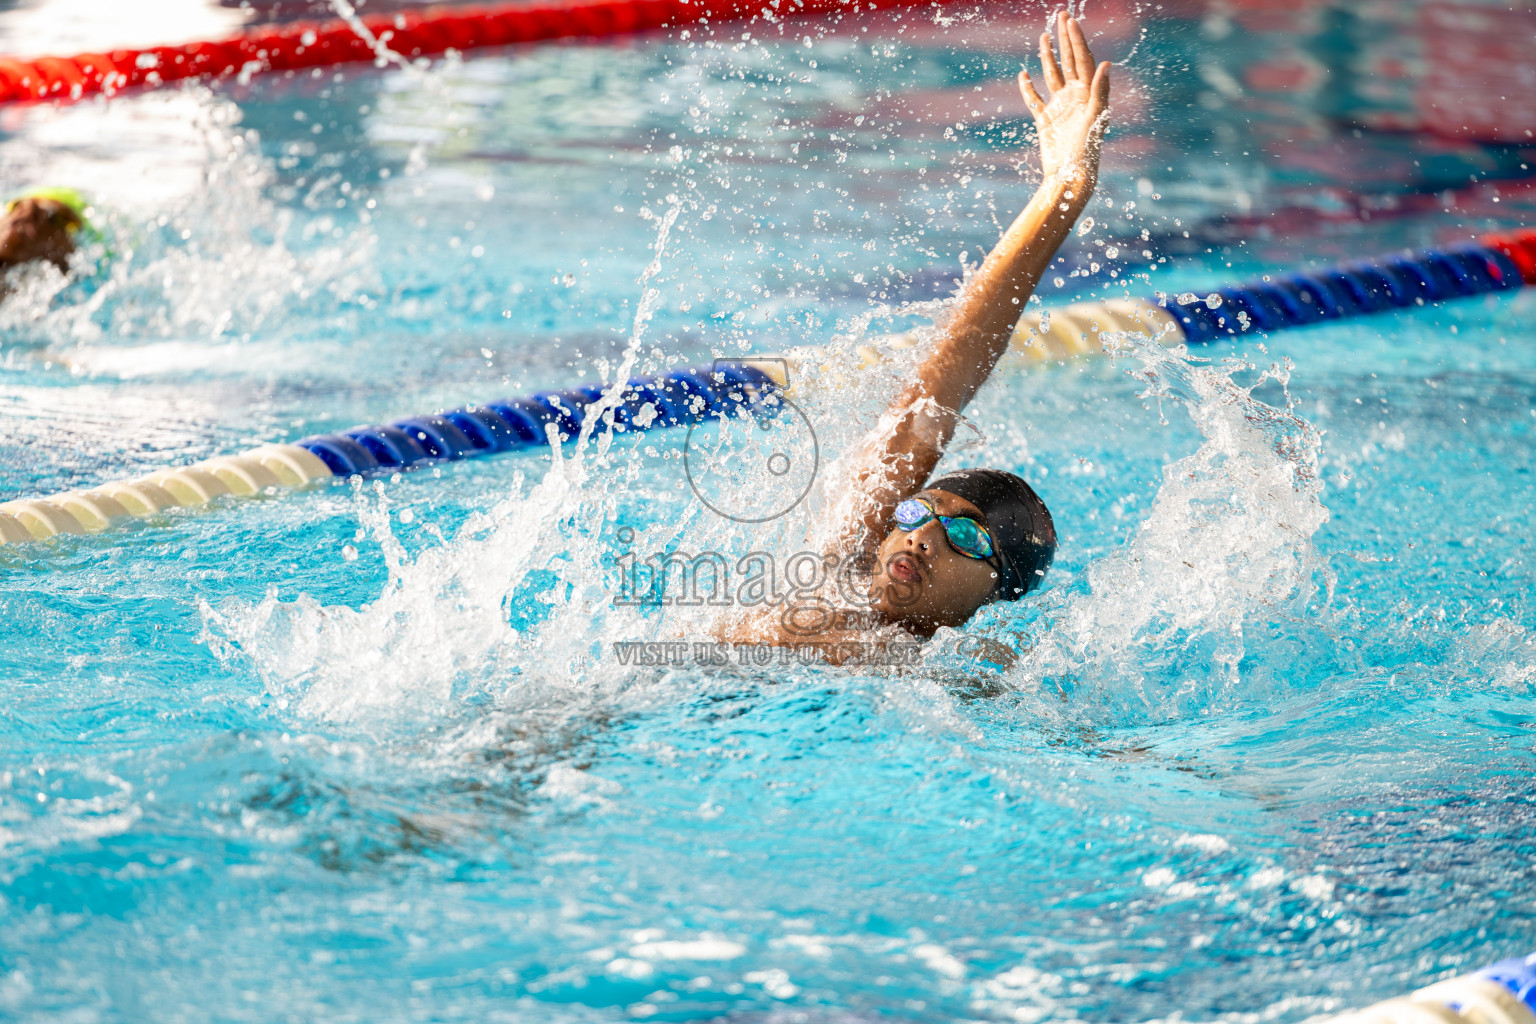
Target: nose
923, 538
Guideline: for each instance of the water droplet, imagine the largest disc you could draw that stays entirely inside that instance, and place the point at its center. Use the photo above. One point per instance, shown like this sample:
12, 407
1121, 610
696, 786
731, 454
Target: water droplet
1213, 300
1085, 226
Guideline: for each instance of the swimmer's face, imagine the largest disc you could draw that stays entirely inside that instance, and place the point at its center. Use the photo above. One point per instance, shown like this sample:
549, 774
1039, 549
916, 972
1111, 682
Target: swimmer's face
924, 583
37, 229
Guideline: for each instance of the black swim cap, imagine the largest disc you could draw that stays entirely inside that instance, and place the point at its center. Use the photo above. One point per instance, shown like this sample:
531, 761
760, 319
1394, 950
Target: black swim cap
1020, 523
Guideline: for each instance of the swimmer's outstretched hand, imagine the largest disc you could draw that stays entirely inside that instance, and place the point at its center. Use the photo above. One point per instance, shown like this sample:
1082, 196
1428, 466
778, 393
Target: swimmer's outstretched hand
969, 341
1071, 124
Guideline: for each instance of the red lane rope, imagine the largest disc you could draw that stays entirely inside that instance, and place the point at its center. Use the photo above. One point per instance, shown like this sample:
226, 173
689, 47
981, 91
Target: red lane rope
413, 34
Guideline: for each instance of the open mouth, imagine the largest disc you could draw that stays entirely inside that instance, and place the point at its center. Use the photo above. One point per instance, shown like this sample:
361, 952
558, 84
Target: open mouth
904, 568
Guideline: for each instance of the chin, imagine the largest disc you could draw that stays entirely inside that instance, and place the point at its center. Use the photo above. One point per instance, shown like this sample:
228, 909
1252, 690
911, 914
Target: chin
913, 616
919, 625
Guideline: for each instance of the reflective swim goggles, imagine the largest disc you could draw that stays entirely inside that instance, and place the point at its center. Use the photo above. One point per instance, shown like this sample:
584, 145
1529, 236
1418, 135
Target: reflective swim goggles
965, 535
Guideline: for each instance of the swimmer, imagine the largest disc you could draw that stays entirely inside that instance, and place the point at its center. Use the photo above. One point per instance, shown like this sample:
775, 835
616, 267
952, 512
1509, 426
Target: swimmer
40, 226
938, 550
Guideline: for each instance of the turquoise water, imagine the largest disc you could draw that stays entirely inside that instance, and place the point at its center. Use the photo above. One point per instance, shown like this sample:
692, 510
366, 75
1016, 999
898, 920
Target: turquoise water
361, 754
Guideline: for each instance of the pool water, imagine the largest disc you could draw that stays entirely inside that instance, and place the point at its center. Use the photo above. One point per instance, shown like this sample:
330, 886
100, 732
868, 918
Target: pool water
366, 752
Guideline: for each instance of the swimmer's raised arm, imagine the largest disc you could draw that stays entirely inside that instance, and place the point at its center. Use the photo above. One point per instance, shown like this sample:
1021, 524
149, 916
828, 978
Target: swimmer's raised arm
969, 343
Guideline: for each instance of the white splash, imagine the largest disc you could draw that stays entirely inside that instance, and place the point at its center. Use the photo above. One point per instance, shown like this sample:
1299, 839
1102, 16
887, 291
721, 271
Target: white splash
441, 623
193, 246
1226, 546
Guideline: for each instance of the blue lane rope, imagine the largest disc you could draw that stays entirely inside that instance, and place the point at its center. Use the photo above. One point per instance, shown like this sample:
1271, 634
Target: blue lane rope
1517, 974
1504, 993
677, 398
1337, 293
692, 395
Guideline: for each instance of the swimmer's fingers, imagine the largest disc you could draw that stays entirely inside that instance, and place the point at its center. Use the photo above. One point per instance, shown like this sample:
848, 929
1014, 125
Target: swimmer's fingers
1071, 35
1100, 91
1048, 65
1032, 98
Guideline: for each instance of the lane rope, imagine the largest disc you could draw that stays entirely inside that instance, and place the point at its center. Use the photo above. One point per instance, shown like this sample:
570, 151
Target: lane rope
677, 398
409, 35
754, 387
1496, 263
1503, 993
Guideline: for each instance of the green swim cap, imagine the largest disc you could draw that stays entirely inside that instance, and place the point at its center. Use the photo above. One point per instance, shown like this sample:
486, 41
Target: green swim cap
65, 196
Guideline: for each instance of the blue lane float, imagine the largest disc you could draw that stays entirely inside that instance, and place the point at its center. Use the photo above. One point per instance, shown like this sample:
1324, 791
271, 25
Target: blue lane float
681, 397
1338, 293
1517, 974
1497, 263
1504, 993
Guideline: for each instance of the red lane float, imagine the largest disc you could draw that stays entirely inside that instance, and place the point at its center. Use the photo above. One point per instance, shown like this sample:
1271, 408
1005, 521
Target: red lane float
1520, 247
423, 33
